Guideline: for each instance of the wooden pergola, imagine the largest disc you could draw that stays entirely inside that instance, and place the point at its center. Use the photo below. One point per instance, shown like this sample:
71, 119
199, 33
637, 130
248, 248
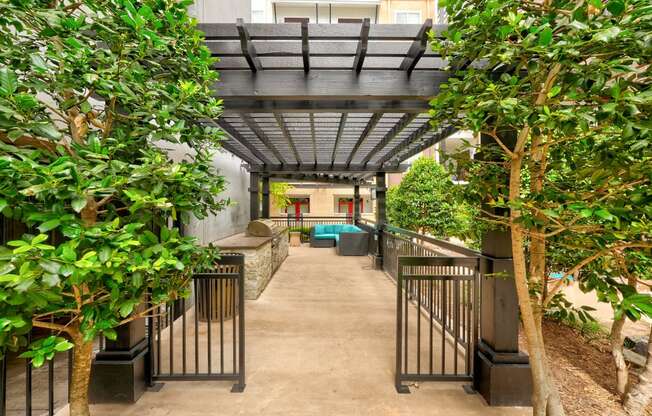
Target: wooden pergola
332, 103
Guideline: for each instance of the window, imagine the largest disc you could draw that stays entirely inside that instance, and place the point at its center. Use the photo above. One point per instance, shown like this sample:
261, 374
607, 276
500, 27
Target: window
298, 206
344, 205
297, 19
404, 17
348, 20
258, 16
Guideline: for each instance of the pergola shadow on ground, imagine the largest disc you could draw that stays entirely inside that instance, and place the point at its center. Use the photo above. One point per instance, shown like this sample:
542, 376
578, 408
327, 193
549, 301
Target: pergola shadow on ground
320, 342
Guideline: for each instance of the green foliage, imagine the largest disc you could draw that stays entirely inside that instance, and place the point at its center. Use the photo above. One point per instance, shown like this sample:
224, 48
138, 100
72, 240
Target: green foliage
427, 201
570, 81
90, 95
279, 192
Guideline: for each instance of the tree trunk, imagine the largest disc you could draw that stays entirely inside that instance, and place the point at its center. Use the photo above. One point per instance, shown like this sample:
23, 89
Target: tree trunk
540, 383
81, 375
622, 372
640, 396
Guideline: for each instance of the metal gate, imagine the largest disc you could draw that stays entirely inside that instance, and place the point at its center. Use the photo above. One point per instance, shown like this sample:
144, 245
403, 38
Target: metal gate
436, 319
203, 338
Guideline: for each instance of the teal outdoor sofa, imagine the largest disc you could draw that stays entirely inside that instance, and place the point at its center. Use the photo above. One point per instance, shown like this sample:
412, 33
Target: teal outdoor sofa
349, 239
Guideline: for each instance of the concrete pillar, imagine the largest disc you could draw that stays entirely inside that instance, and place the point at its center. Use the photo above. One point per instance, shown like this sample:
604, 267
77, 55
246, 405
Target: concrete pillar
356, 203
381, 218
254, 202
265, 197
502, 372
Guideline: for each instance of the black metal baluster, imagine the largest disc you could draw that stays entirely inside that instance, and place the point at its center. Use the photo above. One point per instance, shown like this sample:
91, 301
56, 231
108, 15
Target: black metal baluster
159, 365
443, 326
196, 318
51, 386
234, 314
221, 281
183, 336
209, 319
407, 301
170, 308
456, 320
419, 327
430, 290
28, 381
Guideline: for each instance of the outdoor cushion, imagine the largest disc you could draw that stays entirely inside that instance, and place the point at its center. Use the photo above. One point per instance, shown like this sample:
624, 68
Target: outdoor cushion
332, 231
326, 236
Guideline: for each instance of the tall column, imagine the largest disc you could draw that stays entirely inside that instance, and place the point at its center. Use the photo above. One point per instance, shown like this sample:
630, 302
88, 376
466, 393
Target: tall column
265, 197
381, 218
356, 203
254, 202
502, 372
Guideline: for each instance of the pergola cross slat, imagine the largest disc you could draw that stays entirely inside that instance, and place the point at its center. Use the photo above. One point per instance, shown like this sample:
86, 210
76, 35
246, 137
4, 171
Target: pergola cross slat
312, 114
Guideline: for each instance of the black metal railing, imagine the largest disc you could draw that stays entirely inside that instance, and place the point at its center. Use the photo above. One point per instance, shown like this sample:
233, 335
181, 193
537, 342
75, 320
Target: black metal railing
436, 319
370, 228
304, 223
203, 340
26, 390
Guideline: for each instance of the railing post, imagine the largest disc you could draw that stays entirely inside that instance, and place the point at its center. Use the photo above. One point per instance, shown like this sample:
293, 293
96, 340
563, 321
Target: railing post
239, 388
356, 204
502, 372
381, 219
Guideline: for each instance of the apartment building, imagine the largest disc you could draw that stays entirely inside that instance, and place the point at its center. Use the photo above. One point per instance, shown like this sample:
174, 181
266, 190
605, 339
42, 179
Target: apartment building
346, 11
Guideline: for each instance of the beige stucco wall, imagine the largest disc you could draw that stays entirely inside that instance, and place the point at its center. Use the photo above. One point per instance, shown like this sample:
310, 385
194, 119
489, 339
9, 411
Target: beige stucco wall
388, 9
322, 200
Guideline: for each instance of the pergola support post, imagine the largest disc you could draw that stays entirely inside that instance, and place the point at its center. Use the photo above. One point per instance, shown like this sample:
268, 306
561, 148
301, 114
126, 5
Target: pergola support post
381, 219
502, 373
356, 204
266, 193
254, 202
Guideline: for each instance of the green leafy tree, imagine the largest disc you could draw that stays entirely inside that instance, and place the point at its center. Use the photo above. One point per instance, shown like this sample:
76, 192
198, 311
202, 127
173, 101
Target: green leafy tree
279, 191
90, 94
427, 201
561, 89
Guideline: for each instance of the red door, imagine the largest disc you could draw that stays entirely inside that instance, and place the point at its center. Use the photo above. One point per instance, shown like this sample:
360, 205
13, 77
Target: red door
297, 209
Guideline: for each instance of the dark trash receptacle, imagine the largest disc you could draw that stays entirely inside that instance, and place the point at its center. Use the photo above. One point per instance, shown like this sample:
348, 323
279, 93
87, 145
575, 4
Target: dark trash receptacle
217, 298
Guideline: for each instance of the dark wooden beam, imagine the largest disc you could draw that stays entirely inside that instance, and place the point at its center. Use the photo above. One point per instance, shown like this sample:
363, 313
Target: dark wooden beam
288, 136
363, 44
248, 48
319, 179
327, 168
405, 120
235, 135
370, 84
251, 123
291, 31
365, 133
361, 105
340, 130
414, 136
436, 138
305, 46
417, 49
229, 147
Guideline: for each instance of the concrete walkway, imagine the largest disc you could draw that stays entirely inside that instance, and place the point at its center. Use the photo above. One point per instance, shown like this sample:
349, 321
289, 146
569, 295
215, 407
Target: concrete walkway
320, 341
